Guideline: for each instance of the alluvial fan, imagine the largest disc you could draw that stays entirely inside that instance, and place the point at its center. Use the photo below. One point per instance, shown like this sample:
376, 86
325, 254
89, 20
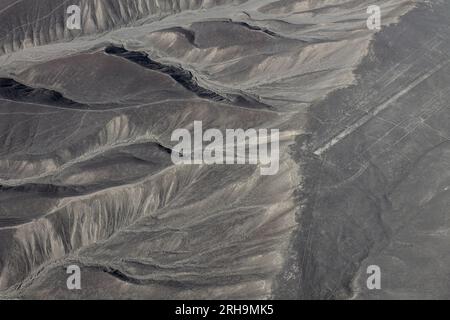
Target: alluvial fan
87, 171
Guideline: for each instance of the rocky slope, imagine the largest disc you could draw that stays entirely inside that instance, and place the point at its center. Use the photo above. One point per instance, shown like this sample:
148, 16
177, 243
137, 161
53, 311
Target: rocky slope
86, 119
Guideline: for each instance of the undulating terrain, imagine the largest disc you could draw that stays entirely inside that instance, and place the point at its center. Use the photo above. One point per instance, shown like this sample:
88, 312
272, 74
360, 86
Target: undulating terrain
87, 179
